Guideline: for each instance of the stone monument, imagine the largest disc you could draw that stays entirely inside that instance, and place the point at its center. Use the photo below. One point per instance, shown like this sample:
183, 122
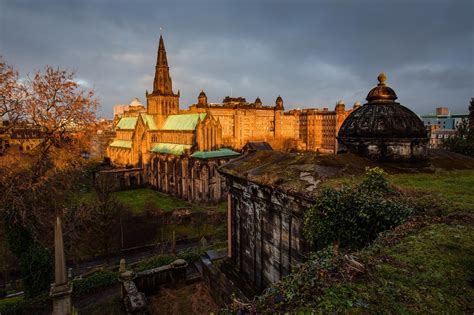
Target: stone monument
61, 289
384, 130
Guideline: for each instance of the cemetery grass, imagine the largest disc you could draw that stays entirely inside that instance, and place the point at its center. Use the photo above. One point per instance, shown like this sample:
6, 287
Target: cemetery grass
426, 265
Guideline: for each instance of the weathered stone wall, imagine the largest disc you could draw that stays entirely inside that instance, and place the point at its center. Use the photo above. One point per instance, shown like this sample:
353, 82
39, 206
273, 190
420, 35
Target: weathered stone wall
188, 178
267, 231
124, 178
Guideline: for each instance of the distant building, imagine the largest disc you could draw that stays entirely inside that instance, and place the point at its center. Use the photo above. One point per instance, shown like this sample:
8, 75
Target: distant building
442, 125
19, 137
310, 129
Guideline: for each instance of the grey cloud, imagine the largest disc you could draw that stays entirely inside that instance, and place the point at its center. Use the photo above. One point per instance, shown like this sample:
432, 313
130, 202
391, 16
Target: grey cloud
313, 53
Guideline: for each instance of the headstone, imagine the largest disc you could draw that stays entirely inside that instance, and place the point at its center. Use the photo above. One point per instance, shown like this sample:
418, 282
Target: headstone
122, 267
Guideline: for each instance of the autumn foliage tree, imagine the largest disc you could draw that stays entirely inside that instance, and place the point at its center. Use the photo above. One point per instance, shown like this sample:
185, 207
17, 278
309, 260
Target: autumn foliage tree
13, 94
36, 187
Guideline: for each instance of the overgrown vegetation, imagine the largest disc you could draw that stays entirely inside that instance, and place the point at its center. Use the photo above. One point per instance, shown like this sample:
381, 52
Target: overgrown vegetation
94, 282
424, 265
353, 216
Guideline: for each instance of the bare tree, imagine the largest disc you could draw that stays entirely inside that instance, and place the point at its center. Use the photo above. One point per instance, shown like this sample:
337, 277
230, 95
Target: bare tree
13, 95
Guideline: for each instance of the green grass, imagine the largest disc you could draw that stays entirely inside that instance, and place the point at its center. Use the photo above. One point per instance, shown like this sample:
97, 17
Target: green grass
455, 186
429, 272
420, 267
138, 199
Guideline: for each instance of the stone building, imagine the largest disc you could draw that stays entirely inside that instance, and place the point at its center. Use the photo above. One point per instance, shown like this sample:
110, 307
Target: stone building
308, 129
269, 191
384, 130
177, 152
21, 137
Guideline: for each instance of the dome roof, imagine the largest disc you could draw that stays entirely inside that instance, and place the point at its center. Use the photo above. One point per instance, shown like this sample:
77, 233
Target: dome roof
382, 117
136, 102
202, 94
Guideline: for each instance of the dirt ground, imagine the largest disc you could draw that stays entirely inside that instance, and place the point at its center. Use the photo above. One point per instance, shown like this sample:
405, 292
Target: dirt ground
191, 299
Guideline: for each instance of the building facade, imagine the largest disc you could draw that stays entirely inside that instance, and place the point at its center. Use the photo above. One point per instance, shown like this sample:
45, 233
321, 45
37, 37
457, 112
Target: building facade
177, 152
442, 125
310, 129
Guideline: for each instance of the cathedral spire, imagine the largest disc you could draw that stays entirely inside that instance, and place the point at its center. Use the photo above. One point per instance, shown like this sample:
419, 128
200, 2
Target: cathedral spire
162, 83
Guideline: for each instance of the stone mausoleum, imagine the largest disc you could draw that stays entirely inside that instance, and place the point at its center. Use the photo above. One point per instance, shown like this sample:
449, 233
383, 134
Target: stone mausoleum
384, 130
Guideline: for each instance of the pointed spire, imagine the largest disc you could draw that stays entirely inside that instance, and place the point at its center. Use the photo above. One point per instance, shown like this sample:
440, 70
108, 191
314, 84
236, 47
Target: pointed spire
60, 276
162, 83
161, 60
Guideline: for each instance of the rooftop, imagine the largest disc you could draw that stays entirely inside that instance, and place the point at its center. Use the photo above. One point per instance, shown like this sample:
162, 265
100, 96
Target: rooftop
183, 122
303, 173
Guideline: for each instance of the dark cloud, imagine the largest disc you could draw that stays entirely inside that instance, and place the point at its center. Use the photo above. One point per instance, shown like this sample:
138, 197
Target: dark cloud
313, 53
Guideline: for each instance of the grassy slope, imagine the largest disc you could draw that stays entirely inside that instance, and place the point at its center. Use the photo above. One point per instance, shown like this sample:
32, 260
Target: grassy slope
430, 271
426, 270
137, 199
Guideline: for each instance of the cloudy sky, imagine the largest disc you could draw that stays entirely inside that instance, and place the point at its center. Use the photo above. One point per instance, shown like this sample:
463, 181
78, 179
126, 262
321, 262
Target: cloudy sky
313, 53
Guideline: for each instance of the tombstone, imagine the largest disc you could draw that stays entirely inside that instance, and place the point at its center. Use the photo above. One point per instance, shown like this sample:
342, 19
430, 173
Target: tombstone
122, 267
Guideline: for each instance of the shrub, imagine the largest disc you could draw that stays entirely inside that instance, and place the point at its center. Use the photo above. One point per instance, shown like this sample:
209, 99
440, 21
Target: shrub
354, 215
94, 282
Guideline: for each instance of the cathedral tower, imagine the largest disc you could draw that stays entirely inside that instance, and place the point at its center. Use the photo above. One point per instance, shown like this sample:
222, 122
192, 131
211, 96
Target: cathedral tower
162, 101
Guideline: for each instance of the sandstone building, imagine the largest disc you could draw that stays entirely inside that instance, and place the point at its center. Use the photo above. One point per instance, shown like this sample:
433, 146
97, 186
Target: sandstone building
180, 149
309, 129
178, 152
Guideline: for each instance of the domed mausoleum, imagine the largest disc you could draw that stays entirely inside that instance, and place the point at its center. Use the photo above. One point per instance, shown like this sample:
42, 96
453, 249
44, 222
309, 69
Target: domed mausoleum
384, 130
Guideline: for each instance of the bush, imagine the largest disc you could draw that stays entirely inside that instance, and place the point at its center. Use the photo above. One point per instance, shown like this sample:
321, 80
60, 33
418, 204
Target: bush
19, 305
354, 215
94, 282
34, 259
3, 293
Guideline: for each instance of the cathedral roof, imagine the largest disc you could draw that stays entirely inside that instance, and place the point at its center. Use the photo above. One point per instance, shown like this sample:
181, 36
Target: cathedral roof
183, 122
214, 154
127, 123
170, 148
149, 121
127, 144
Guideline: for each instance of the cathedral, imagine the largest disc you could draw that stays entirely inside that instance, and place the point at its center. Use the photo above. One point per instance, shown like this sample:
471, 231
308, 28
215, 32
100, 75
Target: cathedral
180, 150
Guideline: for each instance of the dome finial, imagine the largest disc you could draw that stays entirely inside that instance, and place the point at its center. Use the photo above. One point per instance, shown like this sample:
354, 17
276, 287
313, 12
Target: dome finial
382, 77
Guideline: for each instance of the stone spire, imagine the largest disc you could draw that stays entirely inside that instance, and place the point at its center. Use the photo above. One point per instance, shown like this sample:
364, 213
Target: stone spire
61, 289
162, 84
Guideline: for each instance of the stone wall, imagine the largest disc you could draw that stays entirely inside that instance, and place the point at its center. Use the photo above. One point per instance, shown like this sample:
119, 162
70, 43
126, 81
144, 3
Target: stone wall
188, 178
266, 231
124, 178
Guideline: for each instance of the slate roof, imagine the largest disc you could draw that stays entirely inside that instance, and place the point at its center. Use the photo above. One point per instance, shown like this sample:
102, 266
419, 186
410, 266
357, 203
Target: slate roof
183, 122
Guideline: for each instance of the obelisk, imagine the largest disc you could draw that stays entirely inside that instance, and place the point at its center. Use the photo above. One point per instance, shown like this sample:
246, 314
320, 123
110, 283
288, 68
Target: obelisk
61, 289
